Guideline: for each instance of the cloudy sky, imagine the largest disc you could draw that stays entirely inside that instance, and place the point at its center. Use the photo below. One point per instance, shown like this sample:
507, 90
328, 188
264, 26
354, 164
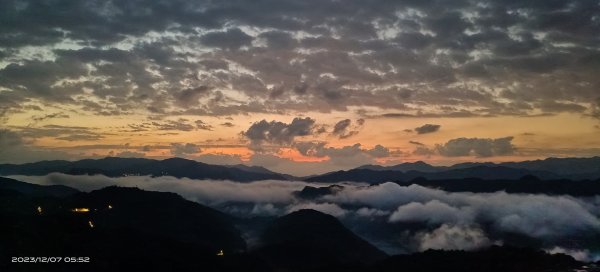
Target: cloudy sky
300, 86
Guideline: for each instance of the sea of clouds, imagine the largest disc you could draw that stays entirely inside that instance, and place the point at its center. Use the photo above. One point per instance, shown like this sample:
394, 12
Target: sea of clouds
398, 219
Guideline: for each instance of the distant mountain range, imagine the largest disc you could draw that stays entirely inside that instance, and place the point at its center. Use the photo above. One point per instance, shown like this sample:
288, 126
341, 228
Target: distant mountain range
548, 169
118, 167
560, 166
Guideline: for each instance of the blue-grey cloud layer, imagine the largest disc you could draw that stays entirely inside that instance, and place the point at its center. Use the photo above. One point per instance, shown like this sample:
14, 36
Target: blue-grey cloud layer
416, 58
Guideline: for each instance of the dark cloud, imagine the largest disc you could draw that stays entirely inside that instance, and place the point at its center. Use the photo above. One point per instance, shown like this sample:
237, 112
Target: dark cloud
319, 149
15, 148
379, 151
183, 150
479, 147
227, 124
80, 137
184, 57
344, 128
230, 39
65, 133
180, 124
189, 97
416, 143
423, 151
37, 118
427, 128
340, 129
130, 154
203, 126
275, 132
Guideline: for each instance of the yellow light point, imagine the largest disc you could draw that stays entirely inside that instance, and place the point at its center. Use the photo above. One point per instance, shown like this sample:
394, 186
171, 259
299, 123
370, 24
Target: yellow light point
80, 210
221, 253
39, 209
109, 206
91, 224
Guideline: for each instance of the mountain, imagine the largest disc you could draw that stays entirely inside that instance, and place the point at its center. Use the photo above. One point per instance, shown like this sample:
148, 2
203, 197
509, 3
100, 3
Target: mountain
160, 213
572, 168
310, 192
481, 172
525, 185
562, 166
493, 259
419, 166
36, 190
139, 231
260, 169
116, 167
308, 240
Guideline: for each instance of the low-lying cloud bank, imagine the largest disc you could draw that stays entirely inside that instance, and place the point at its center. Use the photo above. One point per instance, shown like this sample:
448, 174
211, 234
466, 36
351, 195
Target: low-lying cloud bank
395, 218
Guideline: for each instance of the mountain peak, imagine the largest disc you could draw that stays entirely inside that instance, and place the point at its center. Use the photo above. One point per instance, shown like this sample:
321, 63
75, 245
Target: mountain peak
309, 239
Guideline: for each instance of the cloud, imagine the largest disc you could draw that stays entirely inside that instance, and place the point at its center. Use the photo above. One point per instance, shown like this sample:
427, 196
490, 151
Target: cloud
578, 254
279, 133
230, 39
130, 154
432, 212
65, 133
203, 126
427, 128
37, 118
479, 147
343, 130
416, 143
379, 151
370, 213
453, 238
210, 192
183, 150
181, 53
14, 148
319, 150
180, 124
437, 219
508, 213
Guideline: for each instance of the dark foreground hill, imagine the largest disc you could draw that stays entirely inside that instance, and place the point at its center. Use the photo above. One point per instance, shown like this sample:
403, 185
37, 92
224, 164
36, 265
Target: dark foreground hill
494, 259
117, 167
119, 229
308, 240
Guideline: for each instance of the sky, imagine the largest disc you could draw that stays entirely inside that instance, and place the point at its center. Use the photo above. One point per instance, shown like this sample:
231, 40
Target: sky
297, 86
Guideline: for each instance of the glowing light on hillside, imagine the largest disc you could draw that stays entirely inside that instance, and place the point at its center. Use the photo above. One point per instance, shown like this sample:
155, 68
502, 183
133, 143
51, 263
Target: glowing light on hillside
91, 224
39, 209
80, 210
221, 253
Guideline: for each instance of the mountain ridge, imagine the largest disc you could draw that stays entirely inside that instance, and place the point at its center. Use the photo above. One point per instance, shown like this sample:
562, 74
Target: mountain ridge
116, 167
